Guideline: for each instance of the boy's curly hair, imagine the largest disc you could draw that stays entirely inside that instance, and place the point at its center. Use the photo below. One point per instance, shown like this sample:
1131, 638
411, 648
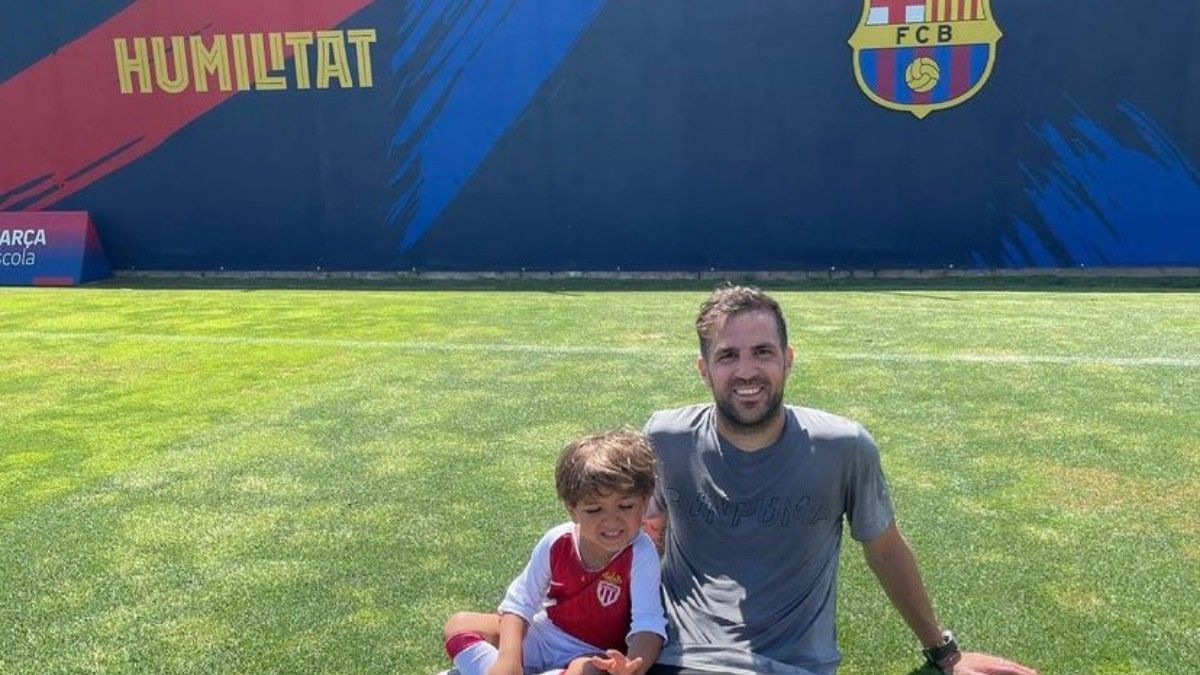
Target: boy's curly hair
610, 461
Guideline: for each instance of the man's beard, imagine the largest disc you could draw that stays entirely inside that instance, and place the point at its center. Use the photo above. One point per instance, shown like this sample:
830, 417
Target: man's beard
739, 424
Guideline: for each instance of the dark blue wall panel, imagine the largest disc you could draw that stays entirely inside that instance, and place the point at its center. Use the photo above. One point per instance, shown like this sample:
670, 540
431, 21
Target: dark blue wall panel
675, 134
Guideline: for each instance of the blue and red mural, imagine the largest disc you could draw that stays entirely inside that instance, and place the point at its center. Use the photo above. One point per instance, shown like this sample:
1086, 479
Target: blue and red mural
608, 134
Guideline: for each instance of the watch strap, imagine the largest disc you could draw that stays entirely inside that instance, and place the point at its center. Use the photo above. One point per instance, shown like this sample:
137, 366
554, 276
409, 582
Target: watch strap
945, 654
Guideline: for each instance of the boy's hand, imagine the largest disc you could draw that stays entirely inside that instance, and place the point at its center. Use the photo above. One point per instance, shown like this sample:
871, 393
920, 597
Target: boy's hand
616, 663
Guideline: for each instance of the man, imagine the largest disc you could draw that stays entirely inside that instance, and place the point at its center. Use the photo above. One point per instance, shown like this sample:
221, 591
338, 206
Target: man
751, 496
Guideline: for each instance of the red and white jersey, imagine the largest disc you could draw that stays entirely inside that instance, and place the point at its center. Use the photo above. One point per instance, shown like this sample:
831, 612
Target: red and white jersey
600, 607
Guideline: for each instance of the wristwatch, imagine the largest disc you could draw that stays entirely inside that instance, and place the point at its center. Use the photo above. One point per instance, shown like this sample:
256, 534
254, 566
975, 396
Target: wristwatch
944, 654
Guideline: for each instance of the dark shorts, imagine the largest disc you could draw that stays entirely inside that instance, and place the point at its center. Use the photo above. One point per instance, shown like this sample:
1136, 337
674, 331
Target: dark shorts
659, 669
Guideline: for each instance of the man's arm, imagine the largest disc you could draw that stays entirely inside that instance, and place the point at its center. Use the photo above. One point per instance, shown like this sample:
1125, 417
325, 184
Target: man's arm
894, 565
654, 523
655, 527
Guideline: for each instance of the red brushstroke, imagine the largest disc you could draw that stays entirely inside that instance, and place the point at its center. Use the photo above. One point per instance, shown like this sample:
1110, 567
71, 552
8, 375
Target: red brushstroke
885, 74
53, 281
923, 97
960, 70
66, 122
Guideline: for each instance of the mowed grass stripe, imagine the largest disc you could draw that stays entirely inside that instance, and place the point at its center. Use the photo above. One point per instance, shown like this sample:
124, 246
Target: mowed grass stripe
601, 350
282, 481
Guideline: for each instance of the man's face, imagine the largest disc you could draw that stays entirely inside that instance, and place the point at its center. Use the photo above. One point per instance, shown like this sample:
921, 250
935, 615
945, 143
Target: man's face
746, 368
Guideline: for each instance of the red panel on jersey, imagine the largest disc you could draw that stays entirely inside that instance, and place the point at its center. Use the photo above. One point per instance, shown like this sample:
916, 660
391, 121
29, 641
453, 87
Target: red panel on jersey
593, 606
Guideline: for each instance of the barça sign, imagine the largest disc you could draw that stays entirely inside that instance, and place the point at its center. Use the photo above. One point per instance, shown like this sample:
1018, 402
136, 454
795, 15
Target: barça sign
924, 55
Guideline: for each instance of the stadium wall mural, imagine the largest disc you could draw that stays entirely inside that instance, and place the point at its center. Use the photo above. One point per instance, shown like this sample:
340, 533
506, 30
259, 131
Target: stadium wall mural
609, 134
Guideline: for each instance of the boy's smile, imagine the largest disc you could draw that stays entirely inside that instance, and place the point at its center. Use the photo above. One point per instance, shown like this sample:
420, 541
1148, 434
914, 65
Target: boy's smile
607, 522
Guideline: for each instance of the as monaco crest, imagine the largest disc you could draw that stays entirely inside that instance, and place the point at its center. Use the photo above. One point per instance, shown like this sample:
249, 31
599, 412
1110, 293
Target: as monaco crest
608, 590
924, 55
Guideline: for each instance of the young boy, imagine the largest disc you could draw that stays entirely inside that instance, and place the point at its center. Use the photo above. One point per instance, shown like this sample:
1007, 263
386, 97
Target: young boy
588, 600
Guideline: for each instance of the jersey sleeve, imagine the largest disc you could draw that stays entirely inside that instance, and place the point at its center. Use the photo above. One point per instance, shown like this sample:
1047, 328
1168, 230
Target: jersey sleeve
646, 609
527, 593
869, 506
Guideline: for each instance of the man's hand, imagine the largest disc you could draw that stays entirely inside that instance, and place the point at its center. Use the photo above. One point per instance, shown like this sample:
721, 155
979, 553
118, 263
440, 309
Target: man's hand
654, 523
616, 663
975, 663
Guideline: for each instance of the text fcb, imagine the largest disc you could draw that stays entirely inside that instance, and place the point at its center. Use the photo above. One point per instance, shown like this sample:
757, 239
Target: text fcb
924, 55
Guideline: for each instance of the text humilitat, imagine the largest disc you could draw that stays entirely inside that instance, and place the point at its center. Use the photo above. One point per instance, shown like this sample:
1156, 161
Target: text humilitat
260, 61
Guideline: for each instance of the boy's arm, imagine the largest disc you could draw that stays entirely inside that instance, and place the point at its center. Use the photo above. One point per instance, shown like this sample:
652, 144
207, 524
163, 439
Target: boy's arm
527, 593
512, 640
643, 652
645, 646
522, 601
648, 624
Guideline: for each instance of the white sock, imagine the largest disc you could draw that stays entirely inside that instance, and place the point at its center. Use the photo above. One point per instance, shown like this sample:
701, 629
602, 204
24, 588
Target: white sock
476, 659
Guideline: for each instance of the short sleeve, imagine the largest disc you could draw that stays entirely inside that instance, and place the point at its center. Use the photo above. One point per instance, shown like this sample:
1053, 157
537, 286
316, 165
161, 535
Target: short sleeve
527, 592
658, 500
869, 501
646, 609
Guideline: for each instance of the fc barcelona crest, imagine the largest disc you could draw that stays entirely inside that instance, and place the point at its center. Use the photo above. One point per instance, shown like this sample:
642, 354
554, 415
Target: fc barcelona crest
924, 55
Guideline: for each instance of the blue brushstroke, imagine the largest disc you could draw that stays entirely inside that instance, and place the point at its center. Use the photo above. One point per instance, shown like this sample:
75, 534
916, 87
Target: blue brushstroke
903, 58
869, 63
980, 54
1104, 203
467, 70
944, 58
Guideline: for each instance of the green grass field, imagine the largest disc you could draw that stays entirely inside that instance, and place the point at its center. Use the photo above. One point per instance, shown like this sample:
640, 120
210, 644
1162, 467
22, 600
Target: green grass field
309, 480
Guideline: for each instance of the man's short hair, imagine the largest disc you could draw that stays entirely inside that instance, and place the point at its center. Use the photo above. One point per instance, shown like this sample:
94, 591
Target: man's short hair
618, 461
727, 301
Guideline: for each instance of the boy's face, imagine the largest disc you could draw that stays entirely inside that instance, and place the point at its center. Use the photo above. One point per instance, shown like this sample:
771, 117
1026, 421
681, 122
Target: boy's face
608, 522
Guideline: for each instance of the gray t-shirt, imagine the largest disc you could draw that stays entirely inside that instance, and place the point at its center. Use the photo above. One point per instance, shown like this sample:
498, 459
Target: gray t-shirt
750, 568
